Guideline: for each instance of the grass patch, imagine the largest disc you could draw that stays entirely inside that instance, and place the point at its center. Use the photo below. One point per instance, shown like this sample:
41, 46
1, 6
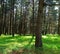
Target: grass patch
25, 44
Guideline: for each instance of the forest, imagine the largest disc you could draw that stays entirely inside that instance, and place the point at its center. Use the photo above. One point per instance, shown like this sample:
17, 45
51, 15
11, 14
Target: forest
29, 26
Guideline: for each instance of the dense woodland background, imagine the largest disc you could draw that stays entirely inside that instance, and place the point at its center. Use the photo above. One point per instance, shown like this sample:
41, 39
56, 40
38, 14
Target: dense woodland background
26, 17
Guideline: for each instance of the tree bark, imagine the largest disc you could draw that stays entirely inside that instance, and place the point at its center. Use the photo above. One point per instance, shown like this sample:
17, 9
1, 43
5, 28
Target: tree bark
38, 40
59, 22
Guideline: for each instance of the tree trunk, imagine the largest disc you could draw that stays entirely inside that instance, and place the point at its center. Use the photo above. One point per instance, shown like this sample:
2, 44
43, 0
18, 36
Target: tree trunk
1, 18
38, 40
12, 18
59, 22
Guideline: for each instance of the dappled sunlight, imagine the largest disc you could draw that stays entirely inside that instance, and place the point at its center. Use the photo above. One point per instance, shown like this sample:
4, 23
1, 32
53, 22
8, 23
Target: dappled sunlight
55, 47
19, 41
46, 45
32, 43
12, 44
24, 43
28, 37
44, 37
15, 43
52, 42
13, 39
51, 46
54, 37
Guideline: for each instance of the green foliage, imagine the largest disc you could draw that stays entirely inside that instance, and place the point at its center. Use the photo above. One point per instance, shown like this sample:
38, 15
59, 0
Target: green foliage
51, 44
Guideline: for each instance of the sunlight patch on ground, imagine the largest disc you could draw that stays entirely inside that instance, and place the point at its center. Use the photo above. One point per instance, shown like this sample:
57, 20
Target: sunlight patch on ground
13, 39
15, 44
44, 37
32, 43
12, 44
3, 44
54, 47
28, 37
25, 43
18, 44
53, 37
9, 42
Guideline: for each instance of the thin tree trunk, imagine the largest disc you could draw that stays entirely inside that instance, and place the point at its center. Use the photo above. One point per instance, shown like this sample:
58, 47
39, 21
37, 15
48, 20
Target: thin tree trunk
33, 19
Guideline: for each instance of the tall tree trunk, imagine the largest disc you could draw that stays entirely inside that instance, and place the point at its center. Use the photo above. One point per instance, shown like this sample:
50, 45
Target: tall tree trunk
38, 40
33, 19
13, 1
12, 17
1, 14
20, 21
59, 22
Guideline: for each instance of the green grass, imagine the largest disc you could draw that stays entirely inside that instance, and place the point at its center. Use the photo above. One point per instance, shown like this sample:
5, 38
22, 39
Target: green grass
51, 44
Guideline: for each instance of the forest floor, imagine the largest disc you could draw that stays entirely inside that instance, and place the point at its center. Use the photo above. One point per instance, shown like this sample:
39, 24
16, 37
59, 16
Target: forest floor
25, 44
